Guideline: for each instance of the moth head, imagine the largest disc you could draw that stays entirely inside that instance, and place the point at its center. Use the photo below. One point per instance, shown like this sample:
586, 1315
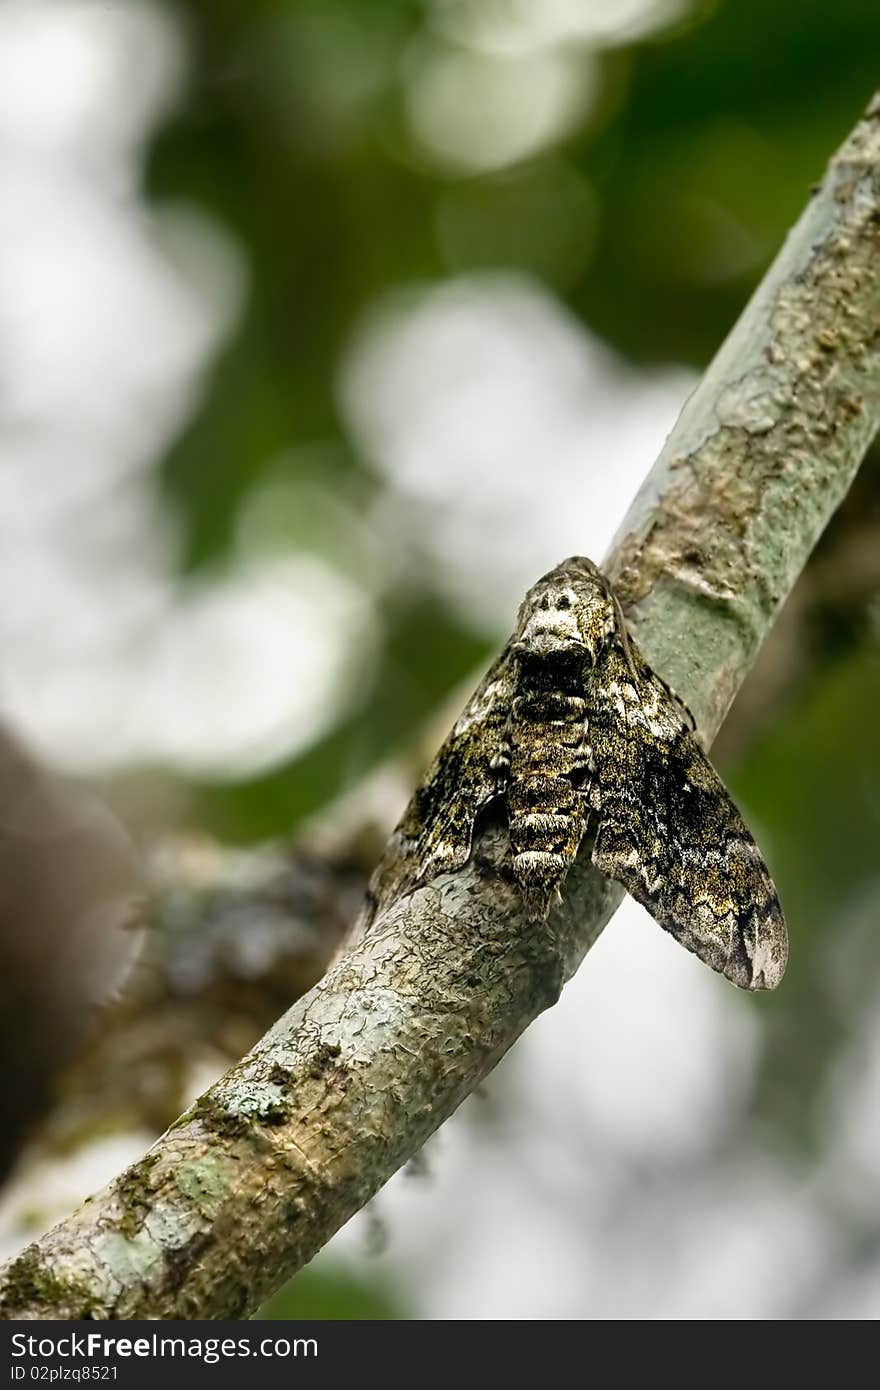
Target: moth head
568, 612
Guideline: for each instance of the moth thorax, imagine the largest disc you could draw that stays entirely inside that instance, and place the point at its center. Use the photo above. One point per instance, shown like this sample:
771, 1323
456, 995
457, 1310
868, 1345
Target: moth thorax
563, 671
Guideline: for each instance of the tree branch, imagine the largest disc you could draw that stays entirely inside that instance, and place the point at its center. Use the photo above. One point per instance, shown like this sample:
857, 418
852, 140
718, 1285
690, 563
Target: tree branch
261, 1171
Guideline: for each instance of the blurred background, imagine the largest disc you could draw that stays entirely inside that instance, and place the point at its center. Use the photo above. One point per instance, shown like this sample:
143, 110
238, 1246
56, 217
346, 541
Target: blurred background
325, 328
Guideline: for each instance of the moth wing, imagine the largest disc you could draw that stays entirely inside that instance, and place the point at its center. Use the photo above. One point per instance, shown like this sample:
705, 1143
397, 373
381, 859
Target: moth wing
435, 833
669, 832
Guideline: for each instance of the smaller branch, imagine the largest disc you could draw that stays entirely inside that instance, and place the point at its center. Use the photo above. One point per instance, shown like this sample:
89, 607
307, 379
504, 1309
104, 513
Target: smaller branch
230, 938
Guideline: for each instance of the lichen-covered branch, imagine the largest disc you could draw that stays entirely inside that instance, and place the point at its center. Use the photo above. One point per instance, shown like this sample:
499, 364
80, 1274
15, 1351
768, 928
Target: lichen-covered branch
253, 1180
765, 448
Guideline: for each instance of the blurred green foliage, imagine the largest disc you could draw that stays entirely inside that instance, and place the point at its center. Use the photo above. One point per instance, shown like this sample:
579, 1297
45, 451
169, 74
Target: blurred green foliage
332, 1295
653, 215
810, 784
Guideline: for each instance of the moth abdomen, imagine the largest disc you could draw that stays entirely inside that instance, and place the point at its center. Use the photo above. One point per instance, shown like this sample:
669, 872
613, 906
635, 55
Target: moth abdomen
539, 875
549, 764
541, 831
546, 827
538, 792
544, 708
556, 831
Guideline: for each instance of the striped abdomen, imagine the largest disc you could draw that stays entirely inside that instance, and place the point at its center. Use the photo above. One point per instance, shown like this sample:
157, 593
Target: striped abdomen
549, 764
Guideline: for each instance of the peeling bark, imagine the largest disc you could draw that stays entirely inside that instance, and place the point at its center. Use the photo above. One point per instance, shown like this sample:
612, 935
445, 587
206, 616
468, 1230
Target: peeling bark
348, 1085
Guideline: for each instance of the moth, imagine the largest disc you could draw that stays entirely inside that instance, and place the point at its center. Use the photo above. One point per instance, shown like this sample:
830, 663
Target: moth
573, 729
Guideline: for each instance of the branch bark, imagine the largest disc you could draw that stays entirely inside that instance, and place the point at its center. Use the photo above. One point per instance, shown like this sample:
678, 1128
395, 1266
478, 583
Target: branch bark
349, 1084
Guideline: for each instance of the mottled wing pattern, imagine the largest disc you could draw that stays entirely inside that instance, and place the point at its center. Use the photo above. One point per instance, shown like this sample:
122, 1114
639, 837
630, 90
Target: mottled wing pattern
668, 831
435, 833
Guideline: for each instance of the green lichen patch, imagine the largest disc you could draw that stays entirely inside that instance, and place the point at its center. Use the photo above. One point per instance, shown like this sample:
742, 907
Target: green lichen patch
29, 1284
204, 1181
135, 1189
250, 1100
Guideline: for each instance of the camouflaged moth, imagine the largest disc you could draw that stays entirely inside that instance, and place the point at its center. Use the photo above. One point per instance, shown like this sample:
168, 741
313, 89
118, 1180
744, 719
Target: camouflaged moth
573, 728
